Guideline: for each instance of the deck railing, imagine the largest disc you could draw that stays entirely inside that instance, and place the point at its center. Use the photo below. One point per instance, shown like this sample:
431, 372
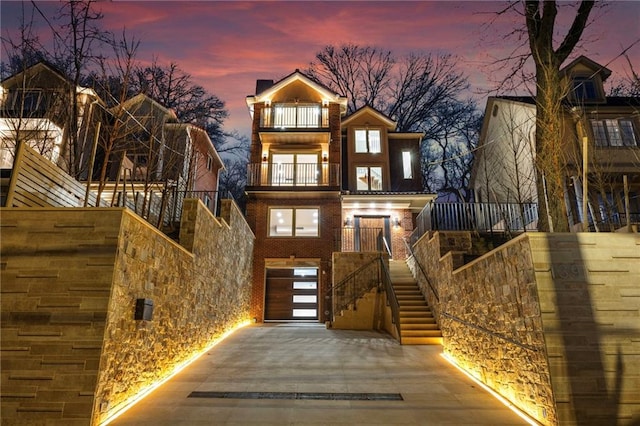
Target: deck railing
293, 174
480, 217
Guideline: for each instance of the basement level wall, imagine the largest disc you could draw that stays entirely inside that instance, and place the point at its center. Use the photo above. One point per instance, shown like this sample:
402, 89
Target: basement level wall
549, 321
72, 352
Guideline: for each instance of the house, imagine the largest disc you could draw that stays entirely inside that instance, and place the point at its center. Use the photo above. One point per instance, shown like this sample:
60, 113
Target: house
601, 137
319, 183
150, 154
138, 150
36, 107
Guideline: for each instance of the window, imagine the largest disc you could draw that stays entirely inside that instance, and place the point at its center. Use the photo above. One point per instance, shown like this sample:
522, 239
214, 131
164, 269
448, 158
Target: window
294, 169
612, 132
584, 89
368, 141
369, 178
209, 162
293, 222
407, 171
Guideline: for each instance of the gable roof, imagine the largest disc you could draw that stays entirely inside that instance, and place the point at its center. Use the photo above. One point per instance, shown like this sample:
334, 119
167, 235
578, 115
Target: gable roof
295, 76
141, 98
35, 69
367, 109
588, 63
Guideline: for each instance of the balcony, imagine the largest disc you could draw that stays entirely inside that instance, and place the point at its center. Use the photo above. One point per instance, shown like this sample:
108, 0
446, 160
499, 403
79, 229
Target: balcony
293, 175
295, 116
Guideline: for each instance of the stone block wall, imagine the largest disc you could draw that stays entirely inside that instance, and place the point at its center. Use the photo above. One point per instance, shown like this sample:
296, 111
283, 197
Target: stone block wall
549, 321
491, 325
72, 351
198, 294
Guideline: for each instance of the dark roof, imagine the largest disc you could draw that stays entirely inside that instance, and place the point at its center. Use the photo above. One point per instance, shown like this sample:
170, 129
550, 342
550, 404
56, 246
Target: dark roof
524, 99
619, 101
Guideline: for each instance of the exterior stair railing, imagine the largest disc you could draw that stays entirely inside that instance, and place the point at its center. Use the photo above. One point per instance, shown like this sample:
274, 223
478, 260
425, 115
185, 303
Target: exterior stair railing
373, 274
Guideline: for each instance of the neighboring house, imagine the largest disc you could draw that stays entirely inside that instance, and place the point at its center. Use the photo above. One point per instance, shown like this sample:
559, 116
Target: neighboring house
609, 128
138, 147
318, 184
151, 151
35, 107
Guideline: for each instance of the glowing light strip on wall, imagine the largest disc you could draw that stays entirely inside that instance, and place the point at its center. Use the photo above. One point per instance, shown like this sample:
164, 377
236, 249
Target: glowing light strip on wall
496, 395
146, 391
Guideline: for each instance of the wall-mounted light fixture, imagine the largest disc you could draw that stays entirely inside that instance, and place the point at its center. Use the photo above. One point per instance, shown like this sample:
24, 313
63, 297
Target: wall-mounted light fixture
348, 222
144, 310
265, 157
396, 222
325, 157
267, 103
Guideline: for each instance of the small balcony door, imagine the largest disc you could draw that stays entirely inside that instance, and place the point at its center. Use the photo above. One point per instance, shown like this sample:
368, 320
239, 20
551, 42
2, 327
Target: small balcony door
294, 169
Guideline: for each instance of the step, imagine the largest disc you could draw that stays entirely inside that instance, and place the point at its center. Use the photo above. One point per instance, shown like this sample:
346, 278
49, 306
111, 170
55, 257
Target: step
410, 297
415, 314
404, 303
422, 340
421, 320
410, 308
420, 333
418, 326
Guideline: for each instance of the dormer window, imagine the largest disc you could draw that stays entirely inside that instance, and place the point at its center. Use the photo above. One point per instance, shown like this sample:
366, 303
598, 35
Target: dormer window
584, 89
368, 141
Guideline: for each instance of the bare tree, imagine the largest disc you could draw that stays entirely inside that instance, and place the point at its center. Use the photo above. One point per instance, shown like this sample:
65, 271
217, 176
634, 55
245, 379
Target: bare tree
420, 92
540, 19
172, 87
75, 45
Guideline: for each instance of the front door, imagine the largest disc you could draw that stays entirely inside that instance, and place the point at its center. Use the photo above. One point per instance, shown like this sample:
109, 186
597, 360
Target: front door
370, 231
291, 294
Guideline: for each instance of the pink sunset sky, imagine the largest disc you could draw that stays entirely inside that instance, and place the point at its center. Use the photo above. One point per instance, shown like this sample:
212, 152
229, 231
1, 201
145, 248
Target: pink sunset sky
227, 45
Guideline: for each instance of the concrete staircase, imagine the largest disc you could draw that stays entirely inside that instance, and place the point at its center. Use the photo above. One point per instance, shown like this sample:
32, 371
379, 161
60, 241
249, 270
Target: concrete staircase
417, 324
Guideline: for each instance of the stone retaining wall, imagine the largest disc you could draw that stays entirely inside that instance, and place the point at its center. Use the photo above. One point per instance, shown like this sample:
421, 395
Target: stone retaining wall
72, 352
549, 321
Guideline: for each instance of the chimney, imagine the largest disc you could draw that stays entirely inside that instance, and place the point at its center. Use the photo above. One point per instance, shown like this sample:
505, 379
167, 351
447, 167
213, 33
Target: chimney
262, 85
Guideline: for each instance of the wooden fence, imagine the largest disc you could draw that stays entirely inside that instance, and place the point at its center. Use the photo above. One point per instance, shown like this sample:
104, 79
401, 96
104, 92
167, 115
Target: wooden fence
37, 182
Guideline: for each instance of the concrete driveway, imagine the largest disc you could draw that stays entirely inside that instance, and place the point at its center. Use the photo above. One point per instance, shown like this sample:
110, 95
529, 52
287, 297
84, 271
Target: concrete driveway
304, 374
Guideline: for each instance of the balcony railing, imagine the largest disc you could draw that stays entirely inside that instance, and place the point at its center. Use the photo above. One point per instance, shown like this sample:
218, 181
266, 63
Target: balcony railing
293, 174
298, 116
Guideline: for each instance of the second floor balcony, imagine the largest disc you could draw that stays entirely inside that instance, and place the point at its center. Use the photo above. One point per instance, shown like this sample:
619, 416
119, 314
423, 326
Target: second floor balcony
295, 116
293, 174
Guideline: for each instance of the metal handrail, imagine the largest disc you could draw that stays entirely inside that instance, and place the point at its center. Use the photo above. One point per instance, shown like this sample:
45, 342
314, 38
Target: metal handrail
383, 277
351, 281
424, 274
392, 299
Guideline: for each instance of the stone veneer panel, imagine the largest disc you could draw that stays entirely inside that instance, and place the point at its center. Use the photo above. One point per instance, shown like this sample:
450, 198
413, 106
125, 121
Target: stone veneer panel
589, 291
71, 349
550, 321
57, 269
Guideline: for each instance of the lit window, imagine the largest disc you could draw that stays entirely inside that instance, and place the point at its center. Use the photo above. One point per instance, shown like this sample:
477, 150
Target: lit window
368, 141
305, 285
369, 178
406, 165
298, 222
304, 298
297, 313
614, 132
